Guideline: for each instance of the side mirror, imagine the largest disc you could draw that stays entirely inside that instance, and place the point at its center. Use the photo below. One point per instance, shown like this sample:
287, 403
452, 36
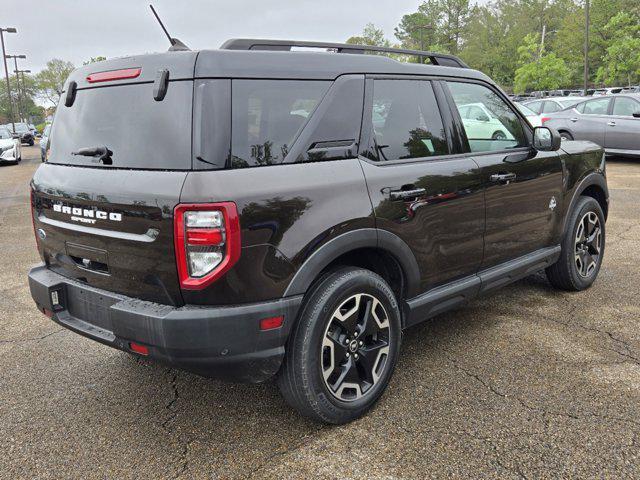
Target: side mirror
546, 139
636, 114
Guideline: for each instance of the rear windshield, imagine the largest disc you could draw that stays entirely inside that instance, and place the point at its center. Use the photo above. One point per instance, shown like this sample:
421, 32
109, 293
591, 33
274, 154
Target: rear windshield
141, 132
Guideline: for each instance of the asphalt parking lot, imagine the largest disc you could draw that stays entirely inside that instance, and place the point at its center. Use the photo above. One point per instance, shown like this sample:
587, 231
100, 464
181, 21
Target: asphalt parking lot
527, 383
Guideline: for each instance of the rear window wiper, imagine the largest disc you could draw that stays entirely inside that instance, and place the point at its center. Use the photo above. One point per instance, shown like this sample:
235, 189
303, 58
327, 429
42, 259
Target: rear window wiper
99, 154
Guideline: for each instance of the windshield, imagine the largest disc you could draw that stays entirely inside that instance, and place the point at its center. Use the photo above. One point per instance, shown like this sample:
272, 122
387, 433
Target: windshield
5, 134
526, 111
139, 131
21, 128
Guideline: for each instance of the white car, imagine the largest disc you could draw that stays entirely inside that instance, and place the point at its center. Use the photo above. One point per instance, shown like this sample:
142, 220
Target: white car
479, 122
534, 119
10, 148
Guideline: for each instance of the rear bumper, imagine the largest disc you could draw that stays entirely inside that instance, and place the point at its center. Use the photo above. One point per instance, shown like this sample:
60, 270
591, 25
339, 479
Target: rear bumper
220, 342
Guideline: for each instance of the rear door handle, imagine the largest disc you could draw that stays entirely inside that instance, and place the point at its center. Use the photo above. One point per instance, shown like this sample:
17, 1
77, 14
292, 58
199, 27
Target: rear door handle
503, 177
611, 124
406, 194
574, 119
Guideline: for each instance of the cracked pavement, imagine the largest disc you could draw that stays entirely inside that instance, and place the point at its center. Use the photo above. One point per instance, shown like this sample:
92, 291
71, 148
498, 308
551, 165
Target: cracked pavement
526, 383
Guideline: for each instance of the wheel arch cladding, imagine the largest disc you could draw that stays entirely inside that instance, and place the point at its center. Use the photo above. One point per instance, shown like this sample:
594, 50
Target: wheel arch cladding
378, 250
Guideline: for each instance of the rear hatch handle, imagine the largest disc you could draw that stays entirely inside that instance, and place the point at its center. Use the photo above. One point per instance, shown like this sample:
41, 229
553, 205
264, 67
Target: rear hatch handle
99, 154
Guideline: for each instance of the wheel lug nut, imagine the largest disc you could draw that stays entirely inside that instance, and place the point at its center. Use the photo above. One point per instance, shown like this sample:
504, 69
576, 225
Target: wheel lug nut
348, 354
361, 343
355, 356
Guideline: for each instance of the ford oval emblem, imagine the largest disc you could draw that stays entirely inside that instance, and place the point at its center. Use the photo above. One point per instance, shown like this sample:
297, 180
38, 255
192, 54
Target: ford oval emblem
42, 234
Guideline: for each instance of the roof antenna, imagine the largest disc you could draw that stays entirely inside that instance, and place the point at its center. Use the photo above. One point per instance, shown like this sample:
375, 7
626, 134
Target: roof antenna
175, 43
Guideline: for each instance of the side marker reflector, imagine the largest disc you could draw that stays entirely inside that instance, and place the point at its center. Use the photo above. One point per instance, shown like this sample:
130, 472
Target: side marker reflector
271, 323
139, 349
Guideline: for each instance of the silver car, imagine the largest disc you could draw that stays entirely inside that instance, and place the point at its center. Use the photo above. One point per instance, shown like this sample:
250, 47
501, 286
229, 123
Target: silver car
550, 105
611, 121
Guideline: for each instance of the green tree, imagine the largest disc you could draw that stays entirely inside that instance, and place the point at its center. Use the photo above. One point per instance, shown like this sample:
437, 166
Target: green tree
621, 63
371, 35
539, 70
50, 81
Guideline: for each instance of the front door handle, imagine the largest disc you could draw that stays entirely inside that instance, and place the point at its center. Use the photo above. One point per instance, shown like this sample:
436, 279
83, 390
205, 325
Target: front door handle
574, 119
611, 124
503, 177
406, 194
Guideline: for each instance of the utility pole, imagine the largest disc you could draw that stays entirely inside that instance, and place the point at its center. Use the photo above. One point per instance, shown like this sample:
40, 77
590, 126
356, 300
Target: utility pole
421, 29
586, 46
15, 61
6, 73
24, 93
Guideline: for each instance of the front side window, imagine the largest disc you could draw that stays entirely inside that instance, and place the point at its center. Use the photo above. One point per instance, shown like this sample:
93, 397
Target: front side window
406, 120
5, 134
498, 128
625, 106
266, 116
595, 107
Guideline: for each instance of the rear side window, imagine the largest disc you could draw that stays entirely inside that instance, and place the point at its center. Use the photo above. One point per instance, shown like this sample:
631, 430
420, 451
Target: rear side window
141, 132
406, 120
625, 106
595, 107
266, 117
498, 128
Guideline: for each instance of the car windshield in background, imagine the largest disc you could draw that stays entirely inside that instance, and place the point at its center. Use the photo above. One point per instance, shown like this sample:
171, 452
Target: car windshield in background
5, 134
129, 122
22, 128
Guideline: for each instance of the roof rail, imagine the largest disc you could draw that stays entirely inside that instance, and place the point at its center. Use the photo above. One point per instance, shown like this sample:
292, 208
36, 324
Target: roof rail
442, 59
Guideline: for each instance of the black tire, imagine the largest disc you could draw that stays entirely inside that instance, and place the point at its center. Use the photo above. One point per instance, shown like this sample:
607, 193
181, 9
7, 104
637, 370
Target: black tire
31, 143
565, 273
498, 135
301, 379
566, 135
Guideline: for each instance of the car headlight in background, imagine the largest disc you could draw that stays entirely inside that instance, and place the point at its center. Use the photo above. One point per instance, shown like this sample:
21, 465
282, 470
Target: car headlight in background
7, 152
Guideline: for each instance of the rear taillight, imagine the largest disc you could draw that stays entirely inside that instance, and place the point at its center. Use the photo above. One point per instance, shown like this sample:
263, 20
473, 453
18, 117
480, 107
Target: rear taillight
207, 242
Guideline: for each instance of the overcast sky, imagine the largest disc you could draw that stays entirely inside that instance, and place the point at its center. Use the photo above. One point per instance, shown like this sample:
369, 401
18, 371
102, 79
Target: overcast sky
76, 30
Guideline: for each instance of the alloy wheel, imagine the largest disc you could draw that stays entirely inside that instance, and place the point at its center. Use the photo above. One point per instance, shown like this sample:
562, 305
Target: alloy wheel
355, 347
588, 244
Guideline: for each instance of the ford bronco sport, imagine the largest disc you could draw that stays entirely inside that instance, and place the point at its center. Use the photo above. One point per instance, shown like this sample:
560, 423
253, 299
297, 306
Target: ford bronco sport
257, 211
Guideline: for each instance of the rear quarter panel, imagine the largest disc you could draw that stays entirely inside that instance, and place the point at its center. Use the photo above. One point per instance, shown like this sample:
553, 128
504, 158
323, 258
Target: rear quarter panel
286, 212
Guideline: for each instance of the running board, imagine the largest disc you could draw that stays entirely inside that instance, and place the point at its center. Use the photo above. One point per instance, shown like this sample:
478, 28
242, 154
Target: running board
456, 293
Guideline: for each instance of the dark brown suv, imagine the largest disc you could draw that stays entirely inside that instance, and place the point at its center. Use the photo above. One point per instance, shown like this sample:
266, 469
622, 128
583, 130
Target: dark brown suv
256, 212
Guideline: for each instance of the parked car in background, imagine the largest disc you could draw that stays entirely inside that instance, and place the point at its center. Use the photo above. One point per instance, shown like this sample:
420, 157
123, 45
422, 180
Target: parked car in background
607, 91
635, 89
534, 119
10, 149
44, 142
612, 121
23, 133
552, 104
480, 122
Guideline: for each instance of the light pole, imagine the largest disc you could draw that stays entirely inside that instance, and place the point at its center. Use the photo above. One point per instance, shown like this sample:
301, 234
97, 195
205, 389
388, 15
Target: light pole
421, 29
586, 46
6, 72
24, 92
15, 61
